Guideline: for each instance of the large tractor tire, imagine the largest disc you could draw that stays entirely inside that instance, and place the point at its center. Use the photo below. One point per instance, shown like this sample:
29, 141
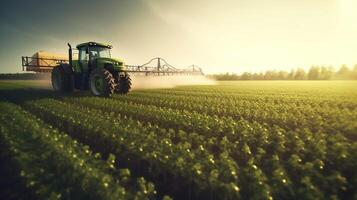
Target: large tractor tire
101, 82
124, 84
62, 81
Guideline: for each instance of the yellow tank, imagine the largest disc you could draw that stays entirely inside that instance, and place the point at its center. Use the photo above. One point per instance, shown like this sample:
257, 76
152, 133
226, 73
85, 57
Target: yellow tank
45, 61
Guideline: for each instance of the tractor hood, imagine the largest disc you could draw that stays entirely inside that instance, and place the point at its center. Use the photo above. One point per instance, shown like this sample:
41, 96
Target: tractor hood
117, 64
113, 61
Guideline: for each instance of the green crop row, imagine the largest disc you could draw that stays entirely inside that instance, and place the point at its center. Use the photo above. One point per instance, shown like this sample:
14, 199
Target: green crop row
266, 161
280, 154
288, 116
157, 152
55, 166
247, 140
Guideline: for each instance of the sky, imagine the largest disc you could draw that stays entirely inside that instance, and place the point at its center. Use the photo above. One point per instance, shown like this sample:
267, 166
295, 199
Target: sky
218, 36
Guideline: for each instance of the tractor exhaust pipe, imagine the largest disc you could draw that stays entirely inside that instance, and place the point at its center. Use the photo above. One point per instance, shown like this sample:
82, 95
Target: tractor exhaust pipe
70, 54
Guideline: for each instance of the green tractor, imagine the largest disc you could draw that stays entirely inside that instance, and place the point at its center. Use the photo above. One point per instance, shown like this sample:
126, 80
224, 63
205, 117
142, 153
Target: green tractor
94, 70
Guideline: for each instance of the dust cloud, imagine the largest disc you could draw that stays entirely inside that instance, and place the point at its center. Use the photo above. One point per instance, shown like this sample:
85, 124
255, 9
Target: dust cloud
139, 81
43, 81
43, 84
152, 82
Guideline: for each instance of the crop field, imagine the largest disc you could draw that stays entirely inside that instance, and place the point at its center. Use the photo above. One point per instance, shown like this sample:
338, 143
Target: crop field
232, 140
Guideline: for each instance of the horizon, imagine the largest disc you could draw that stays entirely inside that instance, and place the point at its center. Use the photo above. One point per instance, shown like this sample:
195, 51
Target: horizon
334, 69
230, 36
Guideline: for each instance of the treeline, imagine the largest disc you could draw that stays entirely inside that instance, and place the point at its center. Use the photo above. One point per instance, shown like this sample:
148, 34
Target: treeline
314, 73
24, 76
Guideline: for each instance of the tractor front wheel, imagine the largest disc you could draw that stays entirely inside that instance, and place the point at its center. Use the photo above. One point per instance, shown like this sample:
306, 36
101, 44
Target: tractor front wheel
101, 82
61, 81
124, 84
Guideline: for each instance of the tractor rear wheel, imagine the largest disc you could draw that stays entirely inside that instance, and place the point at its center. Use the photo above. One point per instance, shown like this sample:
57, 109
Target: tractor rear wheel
101, 82
124, 84
61, 81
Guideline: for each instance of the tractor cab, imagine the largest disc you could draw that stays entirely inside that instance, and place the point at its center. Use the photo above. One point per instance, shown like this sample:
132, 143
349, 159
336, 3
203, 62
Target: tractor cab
92, 54
90, 51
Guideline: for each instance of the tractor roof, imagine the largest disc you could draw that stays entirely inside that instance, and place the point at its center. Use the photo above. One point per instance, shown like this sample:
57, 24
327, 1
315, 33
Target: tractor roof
94, 44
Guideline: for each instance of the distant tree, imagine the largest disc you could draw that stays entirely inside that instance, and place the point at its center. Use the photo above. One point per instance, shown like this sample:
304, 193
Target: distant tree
300, 74
260, 76
257, 76
283, 75
246, 76
343, 70
275, 75
326, 73
228, 76
314, 73
343, 73
354, 72
268, 75
291, 75
25, 76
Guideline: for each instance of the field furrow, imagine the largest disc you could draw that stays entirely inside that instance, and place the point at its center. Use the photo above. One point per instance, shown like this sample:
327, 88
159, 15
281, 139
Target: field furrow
271, 144
148, 148
55, 166
288, 116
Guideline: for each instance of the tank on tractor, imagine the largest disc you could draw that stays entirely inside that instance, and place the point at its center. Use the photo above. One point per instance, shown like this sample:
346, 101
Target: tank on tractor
92, 69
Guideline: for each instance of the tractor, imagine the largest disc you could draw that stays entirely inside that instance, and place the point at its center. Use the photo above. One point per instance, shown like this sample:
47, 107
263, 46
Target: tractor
94, 69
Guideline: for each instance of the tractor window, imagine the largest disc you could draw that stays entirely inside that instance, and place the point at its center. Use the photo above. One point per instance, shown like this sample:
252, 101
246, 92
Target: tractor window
83, 55
101, 52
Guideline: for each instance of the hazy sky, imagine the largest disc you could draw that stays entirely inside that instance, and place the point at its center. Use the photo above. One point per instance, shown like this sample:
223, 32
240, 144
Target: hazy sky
219, 36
